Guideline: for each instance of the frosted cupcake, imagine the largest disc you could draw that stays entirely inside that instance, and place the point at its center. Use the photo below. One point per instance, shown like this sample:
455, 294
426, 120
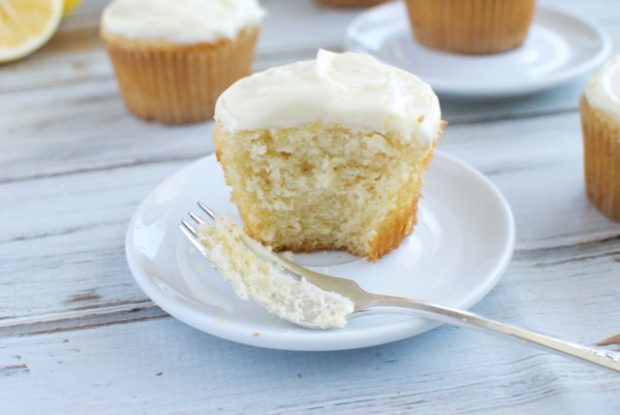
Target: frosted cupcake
352, 3
600, 122
328, 153
173, 59
471, 26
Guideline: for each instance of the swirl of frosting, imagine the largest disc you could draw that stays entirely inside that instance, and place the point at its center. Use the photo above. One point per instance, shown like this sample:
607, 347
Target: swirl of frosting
188, 21
350, 89
603, 89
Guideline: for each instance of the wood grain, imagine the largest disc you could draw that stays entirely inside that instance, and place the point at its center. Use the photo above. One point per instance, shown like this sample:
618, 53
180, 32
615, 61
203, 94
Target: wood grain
163, 366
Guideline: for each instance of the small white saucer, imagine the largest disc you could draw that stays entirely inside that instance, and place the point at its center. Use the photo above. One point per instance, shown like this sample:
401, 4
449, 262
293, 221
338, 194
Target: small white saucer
560, 47
457, 253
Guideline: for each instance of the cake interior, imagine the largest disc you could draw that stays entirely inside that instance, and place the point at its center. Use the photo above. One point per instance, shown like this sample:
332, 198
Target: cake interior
278, 291
324, 186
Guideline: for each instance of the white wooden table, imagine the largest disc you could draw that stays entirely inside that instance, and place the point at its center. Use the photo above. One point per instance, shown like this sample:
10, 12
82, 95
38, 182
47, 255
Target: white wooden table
78, 336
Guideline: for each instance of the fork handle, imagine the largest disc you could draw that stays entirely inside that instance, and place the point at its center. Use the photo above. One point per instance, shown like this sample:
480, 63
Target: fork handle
599, 357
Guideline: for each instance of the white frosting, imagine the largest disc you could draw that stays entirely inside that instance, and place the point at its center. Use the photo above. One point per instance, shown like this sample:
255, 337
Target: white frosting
266, 283
349, 89
186, 21
603, 90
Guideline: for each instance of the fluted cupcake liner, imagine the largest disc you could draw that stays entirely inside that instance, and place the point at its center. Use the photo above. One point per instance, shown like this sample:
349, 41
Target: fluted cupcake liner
352, 3
601, 144
178, 84
471, 26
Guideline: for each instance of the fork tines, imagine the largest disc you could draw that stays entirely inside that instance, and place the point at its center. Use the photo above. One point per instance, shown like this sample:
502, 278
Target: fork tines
190, 231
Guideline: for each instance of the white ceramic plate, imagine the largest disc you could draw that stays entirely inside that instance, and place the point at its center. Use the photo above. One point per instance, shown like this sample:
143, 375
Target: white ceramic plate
459, 249
560, 47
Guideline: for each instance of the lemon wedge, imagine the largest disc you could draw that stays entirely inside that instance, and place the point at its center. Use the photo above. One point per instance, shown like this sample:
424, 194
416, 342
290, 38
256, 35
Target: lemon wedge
69, 6
25, 25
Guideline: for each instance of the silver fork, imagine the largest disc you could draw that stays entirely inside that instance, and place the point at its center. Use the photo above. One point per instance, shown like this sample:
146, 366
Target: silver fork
366, 303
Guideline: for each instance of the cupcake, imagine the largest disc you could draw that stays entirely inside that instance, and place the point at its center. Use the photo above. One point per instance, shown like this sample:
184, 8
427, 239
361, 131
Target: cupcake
352, 3
471, 26
173, 59
328, 154
600, 123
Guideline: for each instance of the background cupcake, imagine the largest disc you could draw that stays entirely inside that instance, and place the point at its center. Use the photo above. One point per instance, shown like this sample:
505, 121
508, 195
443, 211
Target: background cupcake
471, 26
600, 122
173, 60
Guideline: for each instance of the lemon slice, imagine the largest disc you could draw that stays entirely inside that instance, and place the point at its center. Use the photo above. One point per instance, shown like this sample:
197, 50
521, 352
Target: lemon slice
25, 25
69, 6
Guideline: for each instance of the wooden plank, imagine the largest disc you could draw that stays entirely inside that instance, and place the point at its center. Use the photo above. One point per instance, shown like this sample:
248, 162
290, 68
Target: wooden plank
88, 130
446, 370
82, 317
62, 245
162, 366
539, 157
556, 283
537, 164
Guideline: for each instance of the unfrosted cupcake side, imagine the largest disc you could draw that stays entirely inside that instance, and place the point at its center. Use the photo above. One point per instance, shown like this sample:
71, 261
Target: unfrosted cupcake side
471, 26
601, 144
600, 122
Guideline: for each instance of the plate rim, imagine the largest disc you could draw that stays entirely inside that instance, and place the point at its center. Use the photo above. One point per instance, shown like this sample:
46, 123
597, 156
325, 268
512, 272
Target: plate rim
450, 90
282, 339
